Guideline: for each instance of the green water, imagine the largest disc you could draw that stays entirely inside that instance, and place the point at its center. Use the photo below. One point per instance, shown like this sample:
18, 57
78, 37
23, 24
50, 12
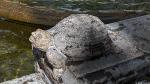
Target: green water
87, 5
16, 57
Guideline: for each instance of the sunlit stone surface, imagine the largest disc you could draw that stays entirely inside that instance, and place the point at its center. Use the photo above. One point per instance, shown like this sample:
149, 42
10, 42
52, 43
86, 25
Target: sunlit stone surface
34, 78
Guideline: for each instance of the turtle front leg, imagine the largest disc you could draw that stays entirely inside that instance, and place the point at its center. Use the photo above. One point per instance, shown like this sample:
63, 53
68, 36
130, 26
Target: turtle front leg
57, 60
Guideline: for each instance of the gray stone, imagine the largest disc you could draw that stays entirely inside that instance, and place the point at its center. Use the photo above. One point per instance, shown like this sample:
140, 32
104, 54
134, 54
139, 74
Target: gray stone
116, 53
41, 39
79, 36
34, 78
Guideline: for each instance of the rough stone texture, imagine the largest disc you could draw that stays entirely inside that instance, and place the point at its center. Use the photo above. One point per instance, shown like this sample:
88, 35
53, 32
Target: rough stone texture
34, 78
56, 58
41, 39
126, 58
133, 34
80, 37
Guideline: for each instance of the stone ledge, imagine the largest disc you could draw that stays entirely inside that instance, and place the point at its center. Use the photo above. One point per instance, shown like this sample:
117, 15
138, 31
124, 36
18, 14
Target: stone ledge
34, 78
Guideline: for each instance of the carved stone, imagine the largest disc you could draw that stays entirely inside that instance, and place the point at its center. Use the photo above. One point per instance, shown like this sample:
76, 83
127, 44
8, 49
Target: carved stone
85, 51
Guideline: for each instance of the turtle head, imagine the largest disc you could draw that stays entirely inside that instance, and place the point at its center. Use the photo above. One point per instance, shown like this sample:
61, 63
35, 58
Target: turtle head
41, 39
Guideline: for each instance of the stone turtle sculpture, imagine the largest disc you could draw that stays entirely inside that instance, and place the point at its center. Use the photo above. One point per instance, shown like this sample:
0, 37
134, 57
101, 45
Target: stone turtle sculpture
80, 49
76, 38
73, 39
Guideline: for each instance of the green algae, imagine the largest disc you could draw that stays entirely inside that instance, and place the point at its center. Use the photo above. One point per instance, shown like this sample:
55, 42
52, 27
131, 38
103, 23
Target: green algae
16, 58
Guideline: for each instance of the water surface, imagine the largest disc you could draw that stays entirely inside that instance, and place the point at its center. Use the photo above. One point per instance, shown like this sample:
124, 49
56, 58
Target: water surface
16, 57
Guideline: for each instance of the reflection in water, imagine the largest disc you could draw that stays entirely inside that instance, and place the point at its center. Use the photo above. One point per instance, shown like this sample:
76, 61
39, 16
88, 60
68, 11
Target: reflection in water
16, 57
86, 5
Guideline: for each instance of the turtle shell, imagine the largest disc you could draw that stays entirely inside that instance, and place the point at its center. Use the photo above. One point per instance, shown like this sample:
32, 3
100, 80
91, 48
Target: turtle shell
80, 36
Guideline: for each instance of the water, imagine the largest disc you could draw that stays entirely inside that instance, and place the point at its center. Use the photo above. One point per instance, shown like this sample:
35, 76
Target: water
87, 5
16, 57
